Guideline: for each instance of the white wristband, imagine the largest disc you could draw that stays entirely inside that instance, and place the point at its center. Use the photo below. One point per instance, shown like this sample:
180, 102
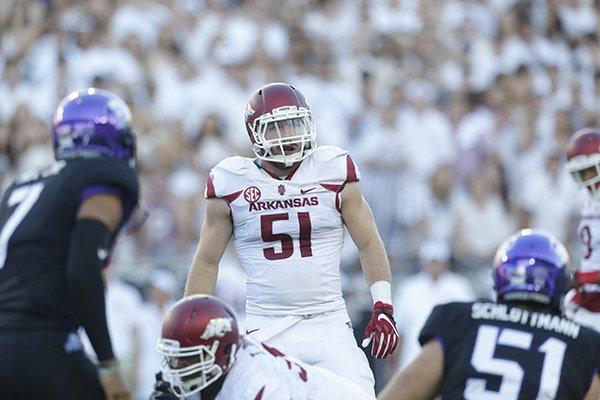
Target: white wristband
108, 370
381, 291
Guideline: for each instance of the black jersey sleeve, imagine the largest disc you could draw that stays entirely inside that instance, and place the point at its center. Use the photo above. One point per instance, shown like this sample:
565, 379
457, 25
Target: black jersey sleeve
432, 328
85, 282
445, 322
113, 177
436, 325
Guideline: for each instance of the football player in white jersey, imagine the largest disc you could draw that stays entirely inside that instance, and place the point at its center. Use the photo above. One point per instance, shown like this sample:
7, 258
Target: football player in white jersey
206, 358
286, 210
583, 163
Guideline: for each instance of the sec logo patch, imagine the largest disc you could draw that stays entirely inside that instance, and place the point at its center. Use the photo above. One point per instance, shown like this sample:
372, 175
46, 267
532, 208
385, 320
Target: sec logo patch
252, 194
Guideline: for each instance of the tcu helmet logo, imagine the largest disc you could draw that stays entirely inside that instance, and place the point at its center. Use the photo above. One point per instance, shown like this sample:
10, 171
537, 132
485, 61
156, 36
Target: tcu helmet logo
540, 276
252, 194
217, 327
64, 136
518, 275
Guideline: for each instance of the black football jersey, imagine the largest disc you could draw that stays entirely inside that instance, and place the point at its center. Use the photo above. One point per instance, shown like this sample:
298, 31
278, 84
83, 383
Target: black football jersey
37, 214
495, 351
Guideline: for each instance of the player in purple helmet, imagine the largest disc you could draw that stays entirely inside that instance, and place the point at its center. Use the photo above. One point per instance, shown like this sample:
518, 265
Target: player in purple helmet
57, 228
519, 347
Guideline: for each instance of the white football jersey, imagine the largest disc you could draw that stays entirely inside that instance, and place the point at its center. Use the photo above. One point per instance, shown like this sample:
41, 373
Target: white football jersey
288, 233
584, 307
589, 234
264, 373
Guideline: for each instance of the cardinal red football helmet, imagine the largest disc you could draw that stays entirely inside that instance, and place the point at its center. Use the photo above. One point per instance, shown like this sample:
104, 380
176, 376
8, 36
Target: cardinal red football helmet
199, 343
280, 124
583, 159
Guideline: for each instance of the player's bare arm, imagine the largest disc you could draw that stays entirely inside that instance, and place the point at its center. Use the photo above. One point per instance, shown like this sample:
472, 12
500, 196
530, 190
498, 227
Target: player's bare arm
421, 379
214, 237
594, 392
359, 220
105, 208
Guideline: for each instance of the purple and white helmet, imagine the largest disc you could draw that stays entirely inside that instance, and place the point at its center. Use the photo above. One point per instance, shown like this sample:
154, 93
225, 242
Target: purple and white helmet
93, 122
532, 266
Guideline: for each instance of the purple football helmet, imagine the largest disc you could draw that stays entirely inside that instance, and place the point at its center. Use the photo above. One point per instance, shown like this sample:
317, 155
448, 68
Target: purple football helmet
93, 122
532, 266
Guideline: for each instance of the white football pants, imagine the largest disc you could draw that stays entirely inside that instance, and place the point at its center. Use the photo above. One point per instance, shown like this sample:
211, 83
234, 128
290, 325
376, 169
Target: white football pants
326, 340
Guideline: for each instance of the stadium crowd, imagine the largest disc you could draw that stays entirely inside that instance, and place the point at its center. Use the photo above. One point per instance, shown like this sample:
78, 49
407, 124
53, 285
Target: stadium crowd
457, 113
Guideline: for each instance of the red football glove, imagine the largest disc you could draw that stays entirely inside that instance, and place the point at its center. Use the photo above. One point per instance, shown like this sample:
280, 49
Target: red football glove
582, 278
383, 327
587, 300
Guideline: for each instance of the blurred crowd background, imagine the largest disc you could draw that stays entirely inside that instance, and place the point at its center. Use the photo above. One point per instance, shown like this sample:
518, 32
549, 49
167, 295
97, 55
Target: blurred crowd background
456, 112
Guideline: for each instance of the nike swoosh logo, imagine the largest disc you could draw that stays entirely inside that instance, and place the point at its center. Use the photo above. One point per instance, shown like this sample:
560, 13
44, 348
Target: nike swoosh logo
388, 320
102, 253
250, 331
304, 191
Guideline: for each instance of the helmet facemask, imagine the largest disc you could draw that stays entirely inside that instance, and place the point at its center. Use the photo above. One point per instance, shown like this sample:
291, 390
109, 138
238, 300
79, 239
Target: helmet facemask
190, 369
585, 170
286, 135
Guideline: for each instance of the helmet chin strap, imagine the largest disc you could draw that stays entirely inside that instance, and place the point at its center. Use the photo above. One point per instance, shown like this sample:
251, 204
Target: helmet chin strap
281, 167
289, 164
284, 164
284, 161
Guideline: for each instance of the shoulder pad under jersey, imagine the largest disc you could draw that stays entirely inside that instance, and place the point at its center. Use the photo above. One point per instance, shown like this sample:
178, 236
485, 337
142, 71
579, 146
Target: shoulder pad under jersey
227, 177
333, 164
328, 153
233, 165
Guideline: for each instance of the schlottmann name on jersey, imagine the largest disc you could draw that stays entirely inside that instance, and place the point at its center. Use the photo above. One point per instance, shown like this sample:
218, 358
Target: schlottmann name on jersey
502, 312
289, 203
